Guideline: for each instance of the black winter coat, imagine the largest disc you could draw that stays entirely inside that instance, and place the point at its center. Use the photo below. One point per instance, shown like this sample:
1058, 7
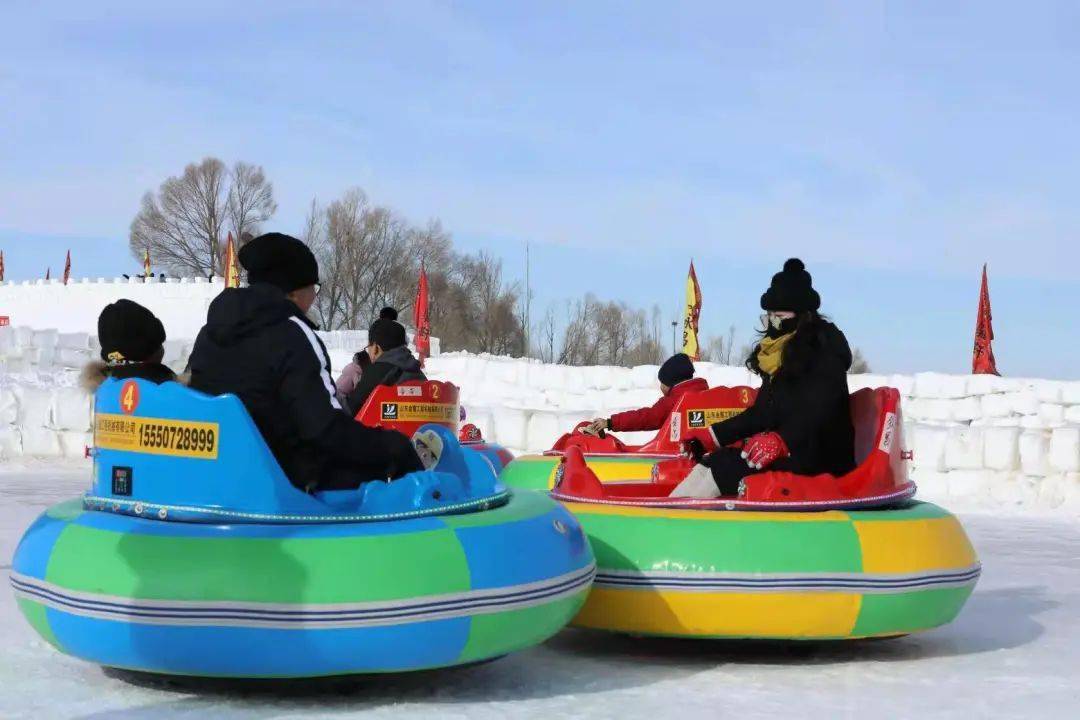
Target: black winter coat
258, 345
806, 403
392, 368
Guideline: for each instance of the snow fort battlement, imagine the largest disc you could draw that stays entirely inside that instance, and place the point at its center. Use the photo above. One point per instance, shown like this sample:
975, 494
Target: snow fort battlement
49, 306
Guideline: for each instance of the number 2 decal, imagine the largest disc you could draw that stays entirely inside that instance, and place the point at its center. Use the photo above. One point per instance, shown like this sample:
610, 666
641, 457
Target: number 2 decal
435, 391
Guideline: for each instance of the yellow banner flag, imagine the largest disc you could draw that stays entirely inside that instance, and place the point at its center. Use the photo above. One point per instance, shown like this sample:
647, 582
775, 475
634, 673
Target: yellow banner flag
693, 313
232, 265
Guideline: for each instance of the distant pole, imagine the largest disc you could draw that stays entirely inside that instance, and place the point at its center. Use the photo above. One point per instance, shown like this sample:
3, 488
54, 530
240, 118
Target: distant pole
674, 326
528, 301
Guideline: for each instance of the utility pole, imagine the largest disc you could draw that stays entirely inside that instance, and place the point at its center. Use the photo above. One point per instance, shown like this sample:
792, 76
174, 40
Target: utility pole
528, 302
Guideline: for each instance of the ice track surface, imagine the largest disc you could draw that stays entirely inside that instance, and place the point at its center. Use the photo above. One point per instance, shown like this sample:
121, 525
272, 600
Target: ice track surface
1014, 652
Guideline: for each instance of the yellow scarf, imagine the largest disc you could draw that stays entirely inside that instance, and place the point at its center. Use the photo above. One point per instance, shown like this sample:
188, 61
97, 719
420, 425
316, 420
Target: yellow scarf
771, 352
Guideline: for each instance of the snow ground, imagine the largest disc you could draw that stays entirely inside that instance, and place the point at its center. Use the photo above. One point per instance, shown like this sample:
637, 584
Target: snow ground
1014, 652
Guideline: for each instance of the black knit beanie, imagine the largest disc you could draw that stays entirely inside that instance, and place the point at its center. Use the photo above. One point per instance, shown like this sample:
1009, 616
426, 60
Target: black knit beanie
128, 332
280, 260
676, 369
387, 332
791, 290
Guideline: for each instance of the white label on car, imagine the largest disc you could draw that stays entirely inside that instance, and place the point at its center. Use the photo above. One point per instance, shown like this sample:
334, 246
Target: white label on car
409, 391
888, 433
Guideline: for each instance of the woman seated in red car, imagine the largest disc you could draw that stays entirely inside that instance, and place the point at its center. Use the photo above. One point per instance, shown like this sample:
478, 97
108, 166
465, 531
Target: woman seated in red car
676, 378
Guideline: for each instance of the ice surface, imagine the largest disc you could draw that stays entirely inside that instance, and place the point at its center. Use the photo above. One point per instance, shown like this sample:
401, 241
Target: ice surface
1012, 653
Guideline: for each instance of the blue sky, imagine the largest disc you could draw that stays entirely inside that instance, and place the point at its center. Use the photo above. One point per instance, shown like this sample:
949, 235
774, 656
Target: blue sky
895, 147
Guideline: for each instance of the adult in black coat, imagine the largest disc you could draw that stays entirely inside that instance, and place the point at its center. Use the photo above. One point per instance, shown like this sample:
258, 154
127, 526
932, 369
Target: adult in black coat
391, 361
259, 344
801, 419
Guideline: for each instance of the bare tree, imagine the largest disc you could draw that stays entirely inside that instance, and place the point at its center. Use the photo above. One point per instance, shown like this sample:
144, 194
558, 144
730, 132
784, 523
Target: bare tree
546, 335
250, 202
609, 333
184, 223
859, 363
370, 257
720, 349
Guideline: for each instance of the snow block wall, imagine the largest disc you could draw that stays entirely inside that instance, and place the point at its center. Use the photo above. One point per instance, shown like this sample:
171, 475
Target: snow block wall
43, 411
1007, 441
180, 304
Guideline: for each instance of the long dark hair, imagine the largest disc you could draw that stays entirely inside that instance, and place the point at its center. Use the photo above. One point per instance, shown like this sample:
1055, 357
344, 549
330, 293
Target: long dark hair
802, 350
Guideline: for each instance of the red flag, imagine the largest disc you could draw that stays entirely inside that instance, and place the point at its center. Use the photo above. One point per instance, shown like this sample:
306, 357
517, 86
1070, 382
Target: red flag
1, 266
421, 319
982, 362
147, 272
67, 268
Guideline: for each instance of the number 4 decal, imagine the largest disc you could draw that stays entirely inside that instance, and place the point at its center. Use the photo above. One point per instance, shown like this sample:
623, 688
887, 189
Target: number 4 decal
129, 397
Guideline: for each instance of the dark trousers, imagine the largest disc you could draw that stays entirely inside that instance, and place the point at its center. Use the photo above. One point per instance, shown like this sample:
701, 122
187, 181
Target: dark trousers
728, 469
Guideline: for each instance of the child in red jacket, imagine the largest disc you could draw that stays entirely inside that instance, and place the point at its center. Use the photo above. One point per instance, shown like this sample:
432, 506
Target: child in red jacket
676, 379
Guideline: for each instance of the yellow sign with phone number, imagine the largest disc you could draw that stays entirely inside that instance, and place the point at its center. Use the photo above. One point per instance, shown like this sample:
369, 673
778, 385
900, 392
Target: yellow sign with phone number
157, 436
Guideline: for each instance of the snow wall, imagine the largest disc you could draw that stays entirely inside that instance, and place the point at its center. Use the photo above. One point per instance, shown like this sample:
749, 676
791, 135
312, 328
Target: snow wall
1005, 441
1009, 441
180, 304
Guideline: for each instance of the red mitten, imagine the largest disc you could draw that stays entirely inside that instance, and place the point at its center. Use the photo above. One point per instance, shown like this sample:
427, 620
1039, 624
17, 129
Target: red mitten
763, 449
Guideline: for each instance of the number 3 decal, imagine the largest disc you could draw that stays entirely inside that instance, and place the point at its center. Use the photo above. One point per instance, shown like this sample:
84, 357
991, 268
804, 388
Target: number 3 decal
744, 396
129, 397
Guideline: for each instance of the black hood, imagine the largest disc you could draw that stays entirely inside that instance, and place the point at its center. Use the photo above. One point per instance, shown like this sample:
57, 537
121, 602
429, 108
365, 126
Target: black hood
240, 312
400, 357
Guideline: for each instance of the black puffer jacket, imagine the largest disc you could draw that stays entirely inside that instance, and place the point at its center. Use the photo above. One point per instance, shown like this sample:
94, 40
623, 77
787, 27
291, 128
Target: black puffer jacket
258, 345
392, 368
806, 403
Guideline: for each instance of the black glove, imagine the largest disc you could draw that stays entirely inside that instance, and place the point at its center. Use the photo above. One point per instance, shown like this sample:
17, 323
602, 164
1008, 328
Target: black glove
404, 459
696, 448
361, 358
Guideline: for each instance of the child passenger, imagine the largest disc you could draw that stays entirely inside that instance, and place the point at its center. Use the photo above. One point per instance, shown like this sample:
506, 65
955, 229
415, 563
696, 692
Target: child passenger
132, 346
676, 378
